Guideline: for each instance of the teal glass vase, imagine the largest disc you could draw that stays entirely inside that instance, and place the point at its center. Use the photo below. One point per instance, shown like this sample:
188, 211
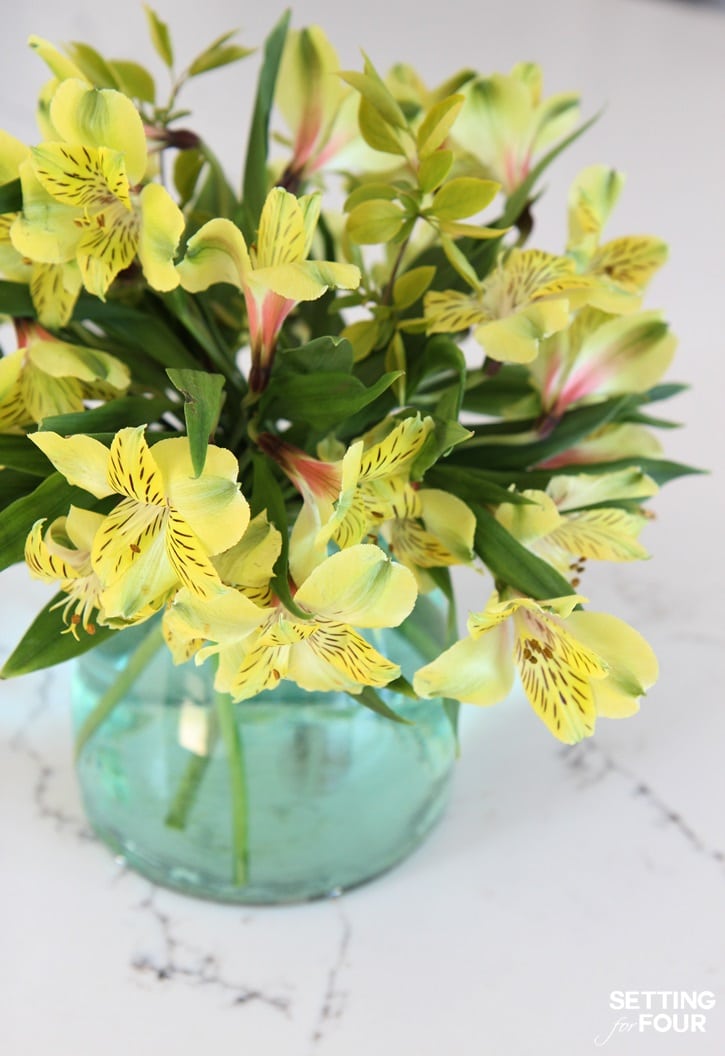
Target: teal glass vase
285, 797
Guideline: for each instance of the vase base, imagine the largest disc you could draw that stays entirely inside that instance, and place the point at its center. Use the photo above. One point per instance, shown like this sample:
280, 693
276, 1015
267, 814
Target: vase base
280, 890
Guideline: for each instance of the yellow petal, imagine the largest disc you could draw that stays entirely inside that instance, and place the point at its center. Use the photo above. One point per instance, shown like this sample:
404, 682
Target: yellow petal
101, 117
556, 672
82, 460
132, 470
475, 671
281, 237
336, 657
54, 289
360, 586
632, 664
162, 225
216, 253
189, 559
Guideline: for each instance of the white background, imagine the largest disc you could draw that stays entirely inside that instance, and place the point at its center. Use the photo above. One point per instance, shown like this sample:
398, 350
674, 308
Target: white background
558, 875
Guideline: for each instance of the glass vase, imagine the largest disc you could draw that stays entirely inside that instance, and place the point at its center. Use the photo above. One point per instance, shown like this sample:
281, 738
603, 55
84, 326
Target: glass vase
293, 796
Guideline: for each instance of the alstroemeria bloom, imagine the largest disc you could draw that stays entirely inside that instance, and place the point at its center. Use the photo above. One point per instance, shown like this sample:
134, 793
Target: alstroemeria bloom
273, 275
573, 665
504, 123
82, 200
622, 267
63, 554
600, 356
54, 288
256, 648
529, 296
346, 500
316, 104
567, 539
430, 529
45, 377
168, 524
610, 443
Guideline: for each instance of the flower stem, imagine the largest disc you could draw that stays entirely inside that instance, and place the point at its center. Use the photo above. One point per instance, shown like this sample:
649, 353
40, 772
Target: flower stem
196, 767
237, 785
118, 689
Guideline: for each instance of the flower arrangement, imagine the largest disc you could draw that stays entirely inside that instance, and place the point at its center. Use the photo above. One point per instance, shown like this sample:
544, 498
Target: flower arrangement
252, 412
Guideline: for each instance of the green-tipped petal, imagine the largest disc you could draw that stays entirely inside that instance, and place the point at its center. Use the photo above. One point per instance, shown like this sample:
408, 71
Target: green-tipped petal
216, 253
101, 117
474, 671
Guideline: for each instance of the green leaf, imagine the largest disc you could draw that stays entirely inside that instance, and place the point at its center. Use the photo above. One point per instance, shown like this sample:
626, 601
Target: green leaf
160, 37
433, 170
368, 191
109, 417
463, 197
369, 698
437, 123
471, 485
375, 221
255, 169
50, 499
203, 398
93, 65
44, 644
134, 80
218, 55
267, 495
374, 90
324, 354
187, 169
14, 485
19, 453
321, 401
134, 328
493, 394
376, 132
512, 563
439, 442
411, 286
395, 361
11, 197
15, 300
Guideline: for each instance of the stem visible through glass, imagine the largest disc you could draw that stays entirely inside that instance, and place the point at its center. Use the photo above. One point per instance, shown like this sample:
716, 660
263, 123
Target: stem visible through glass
237, 785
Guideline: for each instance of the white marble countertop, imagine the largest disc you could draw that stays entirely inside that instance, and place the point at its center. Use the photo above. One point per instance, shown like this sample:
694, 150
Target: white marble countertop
558, 875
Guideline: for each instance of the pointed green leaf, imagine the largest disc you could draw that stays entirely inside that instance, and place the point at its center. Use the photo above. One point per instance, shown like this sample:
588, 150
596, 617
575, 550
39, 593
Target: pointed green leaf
255, 169
372, 700
160, 37
463, 197
411, 285
511, 563
433, 170
203, 398
134, 80
216, 56
53, 498
109, 417
44, 644
374, 222
437, 123
11, 197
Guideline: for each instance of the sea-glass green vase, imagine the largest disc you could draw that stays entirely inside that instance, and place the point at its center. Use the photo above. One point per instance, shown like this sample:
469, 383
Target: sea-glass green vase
316, 794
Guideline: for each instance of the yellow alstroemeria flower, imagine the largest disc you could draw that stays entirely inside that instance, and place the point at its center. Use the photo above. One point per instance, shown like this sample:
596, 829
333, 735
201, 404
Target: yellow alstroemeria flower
168, 523
573, 665
601, 356
82, 200
274, 275
63, 554
430, 529
45, 377
54, 288
610, 443
346, 500
622, 267
567, 539
529, 296
504, 122
317, 106
256, 648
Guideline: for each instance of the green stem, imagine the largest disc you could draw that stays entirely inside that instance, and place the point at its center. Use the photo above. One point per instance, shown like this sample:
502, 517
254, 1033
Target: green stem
237, 785
115, 693
196, 767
